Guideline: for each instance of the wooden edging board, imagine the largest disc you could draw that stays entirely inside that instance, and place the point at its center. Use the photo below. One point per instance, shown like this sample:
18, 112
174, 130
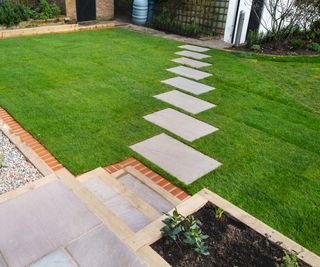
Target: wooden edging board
151, 233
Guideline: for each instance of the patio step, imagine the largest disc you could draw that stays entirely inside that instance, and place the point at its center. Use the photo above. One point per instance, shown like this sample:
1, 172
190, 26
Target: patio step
131, 201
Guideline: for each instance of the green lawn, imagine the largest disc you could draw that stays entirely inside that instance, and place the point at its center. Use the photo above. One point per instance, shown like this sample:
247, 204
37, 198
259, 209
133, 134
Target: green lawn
83, 96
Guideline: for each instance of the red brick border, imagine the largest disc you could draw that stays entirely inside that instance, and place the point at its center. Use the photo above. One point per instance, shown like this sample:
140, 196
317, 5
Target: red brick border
30, 141
153, 176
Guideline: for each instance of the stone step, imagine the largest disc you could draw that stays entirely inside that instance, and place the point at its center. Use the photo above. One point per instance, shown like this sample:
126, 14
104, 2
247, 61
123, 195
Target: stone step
194, 55
191, 62
194, 48
189, 72
120, 199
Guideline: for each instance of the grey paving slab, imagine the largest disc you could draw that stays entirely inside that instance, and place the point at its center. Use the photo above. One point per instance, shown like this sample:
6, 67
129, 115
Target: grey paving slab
188, 85
40, 221
191, 62
146, 193
57, 258
189, 72
178, 159
194, 48
121, 207
101, 248
194, 55
180, 124
186, 102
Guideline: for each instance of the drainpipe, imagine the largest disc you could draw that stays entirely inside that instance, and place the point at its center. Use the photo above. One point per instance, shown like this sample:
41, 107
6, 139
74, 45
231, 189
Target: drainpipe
235, 22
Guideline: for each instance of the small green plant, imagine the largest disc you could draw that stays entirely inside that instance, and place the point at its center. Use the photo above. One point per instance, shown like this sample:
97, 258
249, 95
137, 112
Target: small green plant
185, 229
297, 43
219, 213
255, 47
173, 225
314, 47
290, 259
12, 14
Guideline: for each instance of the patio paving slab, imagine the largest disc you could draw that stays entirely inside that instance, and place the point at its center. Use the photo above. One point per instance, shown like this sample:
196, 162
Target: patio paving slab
191, 54
100, 248
38, 222
180, 124
121, 207
188, 85
194, 48
189, 72
146, 193
57, 258
176, 158
191, 62
186, 102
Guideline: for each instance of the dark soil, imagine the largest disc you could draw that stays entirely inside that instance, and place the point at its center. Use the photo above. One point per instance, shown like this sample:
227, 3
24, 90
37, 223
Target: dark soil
230, 243
285, 50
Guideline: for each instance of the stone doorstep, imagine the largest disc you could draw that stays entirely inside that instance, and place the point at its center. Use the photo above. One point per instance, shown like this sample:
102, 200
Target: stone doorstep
144, 174
151, 233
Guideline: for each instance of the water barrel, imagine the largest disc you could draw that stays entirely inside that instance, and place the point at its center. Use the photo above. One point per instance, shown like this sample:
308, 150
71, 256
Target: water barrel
151, 10
140, 12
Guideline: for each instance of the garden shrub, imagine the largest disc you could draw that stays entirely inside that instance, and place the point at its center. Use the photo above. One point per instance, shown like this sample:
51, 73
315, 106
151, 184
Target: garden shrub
12, 14
254, 38
255, 47
297, 43
47, 10
314, 47
315, 30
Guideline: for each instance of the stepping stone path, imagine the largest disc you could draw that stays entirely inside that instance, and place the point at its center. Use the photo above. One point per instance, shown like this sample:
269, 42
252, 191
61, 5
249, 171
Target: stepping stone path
188, 85
180, 124
186, 102
191, 62
176, 158
194, 55
194, 48
189, 72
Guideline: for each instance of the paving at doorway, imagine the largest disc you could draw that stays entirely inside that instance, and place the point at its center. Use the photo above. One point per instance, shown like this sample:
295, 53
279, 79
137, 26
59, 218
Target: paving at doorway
173, 156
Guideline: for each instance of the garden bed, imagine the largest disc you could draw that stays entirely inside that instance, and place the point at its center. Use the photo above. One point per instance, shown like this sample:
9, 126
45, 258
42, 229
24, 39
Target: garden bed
230, 243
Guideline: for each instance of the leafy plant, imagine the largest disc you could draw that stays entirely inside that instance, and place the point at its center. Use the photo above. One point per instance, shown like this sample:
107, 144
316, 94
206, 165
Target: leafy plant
193, 236
185, 229
254, 38
255, 47
219, 213
314, 47
297, 43
173, 225
290, 259
12, 14
47, 10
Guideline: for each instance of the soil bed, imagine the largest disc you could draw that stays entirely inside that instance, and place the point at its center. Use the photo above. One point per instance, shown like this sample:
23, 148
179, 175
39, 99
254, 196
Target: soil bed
230, 243
267, 49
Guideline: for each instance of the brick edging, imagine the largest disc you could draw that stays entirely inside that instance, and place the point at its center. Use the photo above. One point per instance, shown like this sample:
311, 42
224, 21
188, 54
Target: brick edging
30, 141
153, 176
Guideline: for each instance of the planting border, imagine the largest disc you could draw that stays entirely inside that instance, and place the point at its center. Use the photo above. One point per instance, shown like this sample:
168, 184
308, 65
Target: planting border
151, 233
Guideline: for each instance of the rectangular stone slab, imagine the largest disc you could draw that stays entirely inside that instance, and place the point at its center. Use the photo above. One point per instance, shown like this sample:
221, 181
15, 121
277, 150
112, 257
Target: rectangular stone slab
146, 193
191, 62
57, 258
102, 248
186, 102
189, 72
191, 54
188, 85
194, 48
180, 124
38, 222
176, 158
120, 206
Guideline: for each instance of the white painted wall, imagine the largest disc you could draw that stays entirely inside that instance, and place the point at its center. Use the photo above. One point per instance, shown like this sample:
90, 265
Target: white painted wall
245, 5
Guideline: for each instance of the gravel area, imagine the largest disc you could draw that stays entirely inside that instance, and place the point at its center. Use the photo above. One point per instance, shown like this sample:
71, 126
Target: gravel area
15, 169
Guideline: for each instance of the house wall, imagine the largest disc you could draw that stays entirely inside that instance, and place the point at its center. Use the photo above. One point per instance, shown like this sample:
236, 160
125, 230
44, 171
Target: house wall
104, 9
245, 5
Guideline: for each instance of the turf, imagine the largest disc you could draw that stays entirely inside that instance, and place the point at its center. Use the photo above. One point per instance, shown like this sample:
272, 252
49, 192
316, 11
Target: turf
83, 96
